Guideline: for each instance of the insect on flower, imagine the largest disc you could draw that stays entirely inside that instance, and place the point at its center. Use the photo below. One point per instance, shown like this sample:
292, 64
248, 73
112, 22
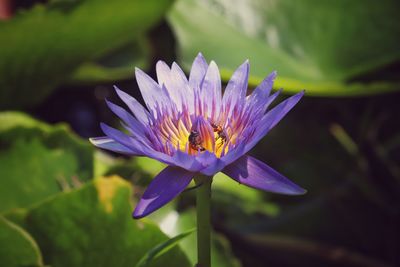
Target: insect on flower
195, 141
195, 129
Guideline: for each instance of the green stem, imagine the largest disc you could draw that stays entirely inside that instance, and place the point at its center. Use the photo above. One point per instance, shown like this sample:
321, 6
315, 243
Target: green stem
203, 205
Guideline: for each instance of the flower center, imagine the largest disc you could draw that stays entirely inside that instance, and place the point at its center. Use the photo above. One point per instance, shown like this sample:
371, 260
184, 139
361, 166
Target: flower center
193, 136
213, 142
207, 136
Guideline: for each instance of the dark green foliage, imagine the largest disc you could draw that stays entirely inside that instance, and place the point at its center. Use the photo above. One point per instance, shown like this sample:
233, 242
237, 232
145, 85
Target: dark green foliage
38, 160
42, 47
17, 249
315, 45
92, 226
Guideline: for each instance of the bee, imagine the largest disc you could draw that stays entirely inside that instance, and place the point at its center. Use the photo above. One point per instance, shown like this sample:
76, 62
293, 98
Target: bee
195, 141
220, 131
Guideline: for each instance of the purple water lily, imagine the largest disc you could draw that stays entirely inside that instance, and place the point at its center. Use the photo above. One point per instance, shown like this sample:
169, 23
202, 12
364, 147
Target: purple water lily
192, 127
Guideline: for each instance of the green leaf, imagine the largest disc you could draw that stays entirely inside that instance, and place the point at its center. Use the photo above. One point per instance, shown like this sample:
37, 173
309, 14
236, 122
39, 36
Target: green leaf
162, 248
314, 45
92, 226
46, 44
13, 119
30, 172
115, 66
16, 216
17, 248
151, 166
19, 126
38, 160
139, 170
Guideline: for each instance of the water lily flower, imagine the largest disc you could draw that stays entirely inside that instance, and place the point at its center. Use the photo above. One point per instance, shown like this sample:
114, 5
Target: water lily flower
195, 129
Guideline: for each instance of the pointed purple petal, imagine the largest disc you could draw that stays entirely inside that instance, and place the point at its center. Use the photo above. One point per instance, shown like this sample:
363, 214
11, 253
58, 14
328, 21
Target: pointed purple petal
152, 93
271, 99
135, 107
259, 108
182, 83
278, 112
197, 72
163, 72
211, 91
133, 124
272, 118
258, 99
234, 153
178, 73
105, 142
123, 139
254, 173
165, 186
176, 84
235, 91
265, 87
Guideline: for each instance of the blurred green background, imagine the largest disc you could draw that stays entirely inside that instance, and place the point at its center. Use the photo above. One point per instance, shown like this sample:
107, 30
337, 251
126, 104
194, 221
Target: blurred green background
64, 203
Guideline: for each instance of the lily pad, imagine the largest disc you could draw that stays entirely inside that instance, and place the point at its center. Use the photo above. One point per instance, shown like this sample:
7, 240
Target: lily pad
118, 65
38, 160
17, 248
314, 45
46, 44
16, 126
92, 226
30, 172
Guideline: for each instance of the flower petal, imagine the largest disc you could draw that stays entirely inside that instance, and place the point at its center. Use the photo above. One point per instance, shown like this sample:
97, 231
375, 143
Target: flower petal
171, 83
165, 186
135, 107
134, 126
123, 139
266, 85
235, 91
180, 81
272, 118
197, 72
186, 161
214, 165
254, 173
163, 72
277, 113
109, 144
154, 96
211, 92
176, 84
259, 99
